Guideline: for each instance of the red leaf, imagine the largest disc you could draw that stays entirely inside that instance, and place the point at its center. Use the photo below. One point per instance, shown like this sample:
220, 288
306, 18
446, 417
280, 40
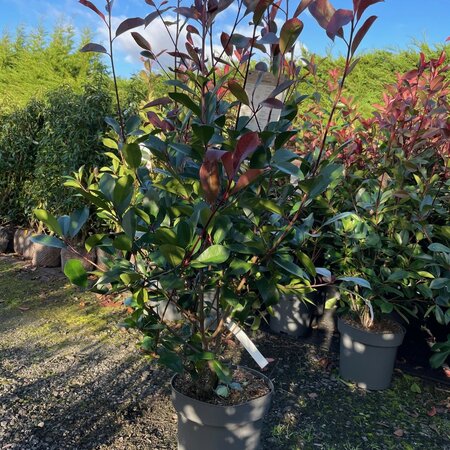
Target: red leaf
192, 29
274, 10
158, 102
246, 145
128, 24
432, 412
363, 5
322, 11
210, 180
261, 7
362, 32
246, 178
190, 13
227, 161
209, 175
91, 6
141, 41
448, 39
289, 33
91, 47
225, 40
272, 103
340, 18
302, 6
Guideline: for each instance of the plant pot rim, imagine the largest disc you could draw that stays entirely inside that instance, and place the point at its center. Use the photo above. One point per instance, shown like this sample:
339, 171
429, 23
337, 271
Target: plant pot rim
401, 330
369, 337
249, 402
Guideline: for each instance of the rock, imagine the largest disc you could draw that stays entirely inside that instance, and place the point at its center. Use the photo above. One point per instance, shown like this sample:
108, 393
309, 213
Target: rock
41, 424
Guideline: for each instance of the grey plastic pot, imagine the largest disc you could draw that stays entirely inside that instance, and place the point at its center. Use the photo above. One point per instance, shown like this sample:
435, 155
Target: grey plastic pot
203, 426
368, 358
292, 316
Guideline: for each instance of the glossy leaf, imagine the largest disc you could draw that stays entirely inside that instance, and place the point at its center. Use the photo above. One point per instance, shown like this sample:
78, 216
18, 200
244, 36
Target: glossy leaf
238, 91
216, 254
128, 24
289, 33
247, 178
48, 241
260, 9
210, 180
141, 41
363, 5
172, 254
49, 220
187, 101
222, 372
322, 11
92, 47
437, 247
76, 273
77, 220
340, 18
359, 36
91, 6
132, 154
302, 6
356, 280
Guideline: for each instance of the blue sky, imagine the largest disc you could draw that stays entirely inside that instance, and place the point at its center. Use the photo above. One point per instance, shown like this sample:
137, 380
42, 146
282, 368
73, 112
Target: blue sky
400, 23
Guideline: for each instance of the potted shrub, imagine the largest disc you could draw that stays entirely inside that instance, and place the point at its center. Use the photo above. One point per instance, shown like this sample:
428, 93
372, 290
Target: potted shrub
213, 228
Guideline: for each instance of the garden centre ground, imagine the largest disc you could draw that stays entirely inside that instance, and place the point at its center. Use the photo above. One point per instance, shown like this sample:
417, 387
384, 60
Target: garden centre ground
71, 379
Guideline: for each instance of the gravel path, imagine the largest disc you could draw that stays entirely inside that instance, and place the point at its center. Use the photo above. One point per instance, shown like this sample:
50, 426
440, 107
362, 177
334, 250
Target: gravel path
70, 379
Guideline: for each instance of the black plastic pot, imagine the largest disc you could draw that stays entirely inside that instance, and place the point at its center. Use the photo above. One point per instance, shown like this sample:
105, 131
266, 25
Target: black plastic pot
203, 426
368, 358
292, 316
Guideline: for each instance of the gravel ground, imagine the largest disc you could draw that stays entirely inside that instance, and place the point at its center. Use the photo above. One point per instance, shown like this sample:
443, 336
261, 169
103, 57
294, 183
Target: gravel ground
70, 379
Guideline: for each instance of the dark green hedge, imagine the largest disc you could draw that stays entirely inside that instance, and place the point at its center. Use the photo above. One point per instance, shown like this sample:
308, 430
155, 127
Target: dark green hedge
44, 141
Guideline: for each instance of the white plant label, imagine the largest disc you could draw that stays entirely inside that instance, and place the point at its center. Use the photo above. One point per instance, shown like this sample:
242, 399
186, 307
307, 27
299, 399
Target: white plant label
259, 87
242, 337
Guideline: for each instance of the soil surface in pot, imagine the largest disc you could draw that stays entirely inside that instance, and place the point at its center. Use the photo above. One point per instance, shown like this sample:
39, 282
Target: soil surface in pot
382, 326
252, 387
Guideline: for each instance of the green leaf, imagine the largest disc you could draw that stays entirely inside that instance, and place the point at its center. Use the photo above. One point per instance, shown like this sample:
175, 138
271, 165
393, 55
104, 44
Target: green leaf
439, 358
129, 223
238, 91
268, 290
170, 359
49, 220
76, 273
307, 263
270, 205
216, 254
48, 241
416, 388
123, 242
172, 254
185, 233
356, 280
93, 240
185, 100
436, 247
338, 217
110, 143
132, 154
123, 192
222, 372
290, 267
439, 283
77, 220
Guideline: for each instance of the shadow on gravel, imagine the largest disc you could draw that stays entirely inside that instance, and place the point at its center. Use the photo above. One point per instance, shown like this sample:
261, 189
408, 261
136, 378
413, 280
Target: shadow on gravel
79, 401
